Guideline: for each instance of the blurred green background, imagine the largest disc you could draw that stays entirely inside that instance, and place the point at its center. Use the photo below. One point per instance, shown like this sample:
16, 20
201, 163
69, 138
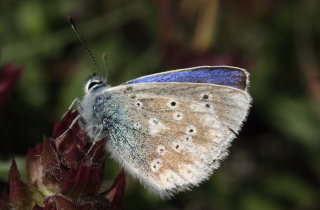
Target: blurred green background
275, 161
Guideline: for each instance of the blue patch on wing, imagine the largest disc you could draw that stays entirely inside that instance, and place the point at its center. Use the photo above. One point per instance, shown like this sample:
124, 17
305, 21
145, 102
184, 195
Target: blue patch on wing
231, 77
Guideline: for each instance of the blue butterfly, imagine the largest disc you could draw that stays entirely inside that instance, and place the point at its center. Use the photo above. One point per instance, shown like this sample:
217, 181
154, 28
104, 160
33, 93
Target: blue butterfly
170, 130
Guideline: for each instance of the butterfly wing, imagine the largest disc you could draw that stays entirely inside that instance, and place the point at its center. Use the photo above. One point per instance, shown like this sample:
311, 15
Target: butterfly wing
219, 75
172, 135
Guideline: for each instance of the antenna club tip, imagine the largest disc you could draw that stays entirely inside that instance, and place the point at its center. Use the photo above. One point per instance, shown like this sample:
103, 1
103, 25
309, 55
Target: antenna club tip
69, 18
72, 23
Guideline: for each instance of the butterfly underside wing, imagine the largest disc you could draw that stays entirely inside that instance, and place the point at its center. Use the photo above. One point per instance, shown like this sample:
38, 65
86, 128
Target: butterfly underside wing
169, 135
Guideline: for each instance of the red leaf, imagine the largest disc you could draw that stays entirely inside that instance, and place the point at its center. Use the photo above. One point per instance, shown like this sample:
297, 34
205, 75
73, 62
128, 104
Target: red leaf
83, 182
72, 157
58, 202
51, 165
116, 192
4, 201
34, 167
72, 144
8, 77
65, 123
20, 195
96, 153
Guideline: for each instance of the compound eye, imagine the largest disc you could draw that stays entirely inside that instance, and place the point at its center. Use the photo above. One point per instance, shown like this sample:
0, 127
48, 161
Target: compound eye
92, 84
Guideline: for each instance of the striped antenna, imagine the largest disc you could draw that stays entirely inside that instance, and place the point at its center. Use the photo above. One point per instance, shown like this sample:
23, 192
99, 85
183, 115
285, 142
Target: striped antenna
74, 28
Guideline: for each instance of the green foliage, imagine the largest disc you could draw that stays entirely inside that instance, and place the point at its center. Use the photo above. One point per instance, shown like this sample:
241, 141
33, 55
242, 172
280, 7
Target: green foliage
273, 164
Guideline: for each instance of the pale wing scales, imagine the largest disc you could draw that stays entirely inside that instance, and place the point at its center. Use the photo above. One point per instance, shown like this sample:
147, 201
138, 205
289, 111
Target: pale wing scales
178, 132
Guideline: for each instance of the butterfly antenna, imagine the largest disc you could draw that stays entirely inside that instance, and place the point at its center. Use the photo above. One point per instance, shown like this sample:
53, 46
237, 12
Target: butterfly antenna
74, 28
105, 61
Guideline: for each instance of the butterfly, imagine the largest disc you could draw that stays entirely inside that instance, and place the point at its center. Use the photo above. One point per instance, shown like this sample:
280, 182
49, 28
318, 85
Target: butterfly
169, 130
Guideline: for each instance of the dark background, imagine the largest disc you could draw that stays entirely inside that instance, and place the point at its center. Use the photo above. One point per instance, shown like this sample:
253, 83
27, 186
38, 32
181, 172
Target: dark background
275, 161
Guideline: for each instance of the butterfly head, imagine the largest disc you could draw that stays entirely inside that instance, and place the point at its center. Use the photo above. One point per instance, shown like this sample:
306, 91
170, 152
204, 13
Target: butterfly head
94, 83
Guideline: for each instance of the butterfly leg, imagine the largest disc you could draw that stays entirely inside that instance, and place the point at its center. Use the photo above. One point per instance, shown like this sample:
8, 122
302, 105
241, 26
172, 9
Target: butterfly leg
75, 101
75, 120
94, 142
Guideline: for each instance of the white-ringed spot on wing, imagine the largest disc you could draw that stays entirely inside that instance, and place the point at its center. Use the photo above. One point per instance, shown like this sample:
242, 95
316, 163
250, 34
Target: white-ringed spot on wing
187, 139
156, 165
191, 130
138, 104
176, 146
172, 104
207, 105
178, 115
206, 96
161, 150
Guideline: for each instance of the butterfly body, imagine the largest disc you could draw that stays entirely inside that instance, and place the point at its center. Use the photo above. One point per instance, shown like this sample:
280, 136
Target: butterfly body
170, 130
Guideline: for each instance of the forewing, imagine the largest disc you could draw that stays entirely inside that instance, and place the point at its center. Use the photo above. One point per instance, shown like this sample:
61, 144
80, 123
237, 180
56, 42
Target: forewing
219, 75
173, 135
